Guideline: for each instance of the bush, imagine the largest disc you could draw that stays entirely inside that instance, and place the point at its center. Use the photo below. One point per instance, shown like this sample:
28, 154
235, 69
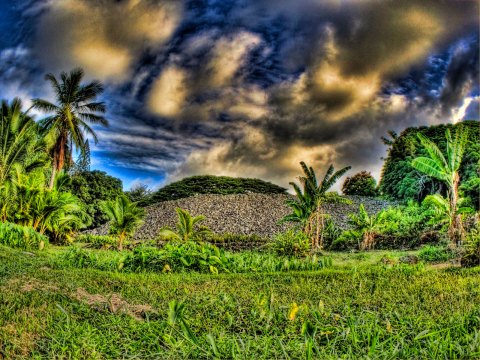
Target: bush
80, 258
436, 254
189, 257
362, 184
177, 257
349, 239
235, 238
97, 241
471, 257
403, 226
208, 184
291, 243
21, 237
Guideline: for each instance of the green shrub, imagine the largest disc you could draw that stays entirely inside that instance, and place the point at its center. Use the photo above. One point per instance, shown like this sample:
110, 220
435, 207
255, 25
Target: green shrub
291, 243
330, 233
471, 257
235, 238
435, 253
403, 226
21, 237
362, 183
349, 239
80, 258
97, 241
188, 255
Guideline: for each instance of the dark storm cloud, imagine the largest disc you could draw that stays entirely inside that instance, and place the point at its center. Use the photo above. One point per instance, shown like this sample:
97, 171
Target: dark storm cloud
462, 73
250, 88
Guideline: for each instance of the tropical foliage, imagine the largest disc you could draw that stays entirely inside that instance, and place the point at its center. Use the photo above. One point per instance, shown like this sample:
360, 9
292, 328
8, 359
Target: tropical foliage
291, 243
21, 237
401, 181
125, 217
21, 147
445, 168
187, 228
307, 205
26, 201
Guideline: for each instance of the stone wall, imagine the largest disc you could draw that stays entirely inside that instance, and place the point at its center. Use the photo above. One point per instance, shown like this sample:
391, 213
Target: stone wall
240, 214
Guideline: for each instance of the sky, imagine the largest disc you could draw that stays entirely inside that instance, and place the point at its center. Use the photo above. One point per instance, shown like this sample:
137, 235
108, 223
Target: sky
248, 87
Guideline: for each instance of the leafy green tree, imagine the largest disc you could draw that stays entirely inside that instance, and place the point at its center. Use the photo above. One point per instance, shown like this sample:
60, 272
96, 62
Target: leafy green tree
186, 228
20, 143
93, 188
362, 183
445, 167
125, 217
307, 206
140, 194
401, 181
76, 109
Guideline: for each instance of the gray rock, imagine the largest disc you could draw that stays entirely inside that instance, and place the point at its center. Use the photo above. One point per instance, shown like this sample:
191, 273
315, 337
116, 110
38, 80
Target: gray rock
246, 214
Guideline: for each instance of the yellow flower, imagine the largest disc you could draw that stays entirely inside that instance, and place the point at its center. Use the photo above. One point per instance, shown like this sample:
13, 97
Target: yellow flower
293, 311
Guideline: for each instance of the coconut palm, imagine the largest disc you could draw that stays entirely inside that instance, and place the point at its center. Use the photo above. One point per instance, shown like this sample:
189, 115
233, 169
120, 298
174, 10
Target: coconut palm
20, 144
445, 167
186, 228
307, 206
73, 114
125, 217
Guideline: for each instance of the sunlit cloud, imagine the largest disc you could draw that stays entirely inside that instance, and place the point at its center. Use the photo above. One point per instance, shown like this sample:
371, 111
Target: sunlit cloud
169, 92
104, 37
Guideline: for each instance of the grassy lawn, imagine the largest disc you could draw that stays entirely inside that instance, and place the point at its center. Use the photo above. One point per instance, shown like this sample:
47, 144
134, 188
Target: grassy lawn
358, 308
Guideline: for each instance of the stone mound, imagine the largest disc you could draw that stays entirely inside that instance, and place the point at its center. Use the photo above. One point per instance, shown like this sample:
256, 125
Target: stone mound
246, 214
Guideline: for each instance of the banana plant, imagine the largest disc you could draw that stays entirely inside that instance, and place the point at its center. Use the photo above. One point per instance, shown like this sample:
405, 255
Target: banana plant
310, 195
445, 167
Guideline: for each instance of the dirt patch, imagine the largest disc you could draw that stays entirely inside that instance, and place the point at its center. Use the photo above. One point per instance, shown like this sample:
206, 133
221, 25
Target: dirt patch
113, 303
445, 265
28, 285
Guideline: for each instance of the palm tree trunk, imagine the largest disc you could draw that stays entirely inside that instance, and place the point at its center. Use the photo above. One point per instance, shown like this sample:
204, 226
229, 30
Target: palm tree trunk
54, 171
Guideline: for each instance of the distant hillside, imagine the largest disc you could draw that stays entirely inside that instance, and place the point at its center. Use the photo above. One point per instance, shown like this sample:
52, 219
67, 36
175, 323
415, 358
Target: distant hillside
208, 184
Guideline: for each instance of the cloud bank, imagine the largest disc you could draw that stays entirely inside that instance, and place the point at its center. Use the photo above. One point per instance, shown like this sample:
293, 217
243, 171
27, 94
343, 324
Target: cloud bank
250, 88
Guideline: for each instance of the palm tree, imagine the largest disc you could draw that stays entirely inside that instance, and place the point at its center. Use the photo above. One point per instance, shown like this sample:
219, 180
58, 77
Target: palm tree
445, 167
125, 217
20, 143
307, 206
75, 110
186, 230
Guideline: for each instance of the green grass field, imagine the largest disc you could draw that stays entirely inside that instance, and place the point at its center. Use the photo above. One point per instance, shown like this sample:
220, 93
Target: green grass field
356, 309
